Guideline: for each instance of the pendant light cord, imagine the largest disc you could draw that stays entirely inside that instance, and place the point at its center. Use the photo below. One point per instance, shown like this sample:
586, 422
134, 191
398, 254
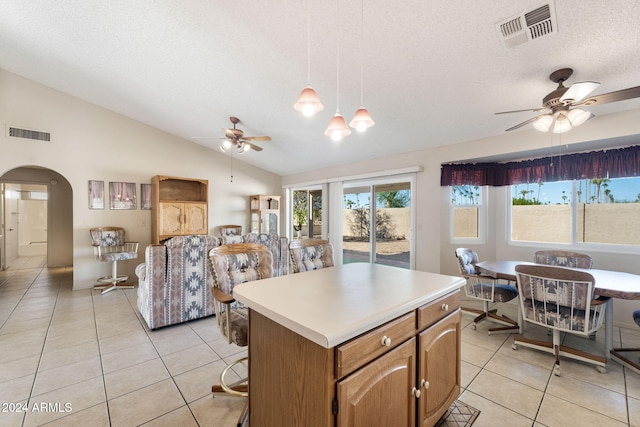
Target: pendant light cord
309, 42
338, 57
362, 53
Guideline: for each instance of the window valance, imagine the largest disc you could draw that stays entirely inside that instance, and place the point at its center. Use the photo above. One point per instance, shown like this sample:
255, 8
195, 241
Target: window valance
617, 163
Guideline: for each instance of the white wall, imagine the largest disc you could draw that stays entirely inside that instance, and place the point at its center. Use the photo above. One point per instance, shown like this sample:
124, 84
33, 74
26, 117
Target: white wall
92, 143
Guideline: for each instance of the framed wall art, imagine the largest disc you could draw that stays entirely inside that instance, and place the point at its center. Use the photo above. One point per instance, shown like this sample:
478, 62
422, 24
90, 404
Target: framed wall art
122, 195
145, 196
96, 194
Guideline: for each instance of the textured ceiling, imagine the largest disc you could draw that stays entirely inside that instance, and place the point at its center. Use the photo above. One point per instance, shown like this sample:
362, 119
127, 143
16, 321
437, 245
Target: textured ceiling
434, 71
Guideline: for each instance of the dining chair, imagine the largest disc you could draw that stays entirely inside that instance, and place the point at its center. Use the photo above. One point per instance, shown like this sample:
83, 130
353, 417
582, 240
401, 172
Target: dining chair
310, 254
109, 245
232, 265
562, 300
563, 259
623, 355
486, 289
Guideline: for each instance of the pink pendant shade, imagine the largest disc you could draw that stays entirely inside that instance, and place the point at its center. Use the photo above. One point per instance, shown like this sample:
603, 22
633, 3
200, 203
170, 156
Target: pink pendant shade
361, 120
308, 102
337, 128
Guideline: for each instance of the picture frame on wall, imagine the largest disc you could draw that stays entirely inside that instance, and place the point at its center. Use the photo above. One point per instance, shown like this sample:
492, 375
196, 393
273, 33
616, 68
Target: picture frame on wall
145, 196
96, 194
122, 195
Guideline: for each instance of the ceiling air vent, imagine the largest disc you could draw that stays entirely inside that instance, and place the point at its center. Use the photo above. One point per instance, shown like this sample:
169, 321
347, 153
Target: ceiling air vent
527, 26
28, 134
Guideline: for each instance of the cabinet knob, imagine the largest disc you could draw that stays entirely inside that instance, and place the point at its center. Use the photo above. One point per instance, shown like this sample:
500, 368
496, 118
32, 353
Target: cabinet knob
385, 341
424, 384
445, 307
416, 393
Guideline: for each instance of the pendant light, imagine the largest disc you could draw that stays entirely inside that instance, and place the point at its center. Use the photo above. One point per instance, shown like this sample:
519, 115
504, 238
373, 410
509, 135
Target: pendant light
308, 102
337, 128
361, 119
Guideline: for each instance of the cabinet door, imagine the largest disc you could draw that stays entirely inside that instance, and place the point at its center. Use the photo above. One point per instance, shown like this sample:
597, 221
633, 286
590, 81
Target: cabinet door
439, 368
171, 218
196, 218
380, 393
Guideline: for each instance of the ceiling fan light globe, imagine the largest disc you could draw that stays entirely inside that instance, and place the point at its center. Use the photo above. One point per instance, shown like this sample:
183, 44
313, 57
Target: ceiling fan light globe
223, 149
308, 102
543, 123
226, 144
361, 120
578, 116
562, 124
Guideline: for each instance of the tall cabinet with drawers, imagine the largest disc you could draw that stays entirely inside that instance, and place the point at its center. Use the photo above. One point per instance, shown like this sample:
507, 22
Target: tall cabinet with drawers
179, 207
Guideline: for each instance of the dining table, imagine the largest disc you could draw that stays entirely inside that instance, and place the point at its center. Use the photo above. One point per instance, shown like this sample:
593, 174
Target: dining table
608, 283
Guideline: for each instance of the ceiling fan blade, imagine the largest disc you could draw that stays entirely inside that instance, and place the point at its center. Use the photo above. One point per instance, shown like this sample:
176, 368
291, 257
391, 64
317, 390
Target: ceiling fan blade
229, 134
519, 125
578, 91
256, 138
535, 110
619, 95
253, 147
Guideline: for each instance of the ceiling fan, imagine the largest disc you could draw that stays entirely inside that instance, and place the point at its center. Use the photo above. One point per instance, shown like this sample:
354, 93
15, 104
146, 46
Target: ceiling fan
561, 107
235, 138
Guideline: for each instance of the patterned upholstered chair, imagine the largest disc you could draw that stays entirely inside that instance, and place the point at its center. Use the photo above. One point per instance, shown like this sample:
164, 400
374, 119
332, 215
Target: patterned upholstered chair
230, 230
563, 259
310, 254
232, 265
486, 289
560, 299
624, 355
109, 246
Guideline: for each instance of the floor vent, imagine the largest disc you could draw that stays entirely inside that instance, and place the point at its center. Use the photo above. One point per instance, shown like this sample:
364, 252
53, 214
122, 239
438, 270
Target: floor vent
28, 134
527, 26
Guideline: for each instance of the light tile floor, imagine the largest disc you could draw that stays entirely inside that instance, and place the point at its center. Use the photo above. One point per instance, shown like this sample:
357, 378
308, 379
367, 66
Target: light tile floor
79, 358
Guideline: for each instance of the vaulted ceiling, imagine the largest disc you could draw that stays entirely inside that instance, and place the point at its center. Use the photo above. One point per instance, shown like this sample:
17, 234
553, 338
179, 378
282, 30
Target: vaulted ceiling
435, 72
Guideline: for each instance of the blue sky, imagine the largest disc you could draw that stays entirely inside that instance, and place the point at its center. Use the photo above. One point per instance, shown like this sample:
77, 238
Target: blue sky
620, 188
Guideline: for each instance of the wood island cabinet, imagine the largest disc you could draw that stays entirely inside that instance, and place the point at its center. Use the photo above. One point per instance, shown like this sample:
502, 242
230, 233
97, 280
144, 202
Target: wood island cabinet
405, 372
179, 207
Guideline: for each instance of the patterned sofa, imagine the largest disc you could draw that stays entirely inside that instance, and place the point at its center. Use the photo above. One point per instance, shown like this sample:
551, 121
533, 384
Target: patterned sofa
174, 283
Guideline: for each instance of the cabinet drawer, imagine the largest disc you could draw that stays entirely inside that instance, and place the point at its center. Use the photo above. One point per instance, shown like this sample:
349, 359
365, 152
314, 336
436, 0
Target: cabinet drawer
430, 313
361, 350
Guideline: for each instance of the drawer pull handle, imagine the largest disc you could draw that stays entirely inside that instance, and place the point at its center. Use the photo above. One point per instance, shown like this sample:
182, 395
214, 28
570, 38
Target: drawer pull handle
445, 307
424, 384
416, 393
385, 341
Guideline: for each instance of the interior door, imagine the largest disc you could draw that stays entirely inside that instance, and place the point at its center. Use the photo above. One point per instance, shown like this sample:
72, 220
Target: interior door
3, 263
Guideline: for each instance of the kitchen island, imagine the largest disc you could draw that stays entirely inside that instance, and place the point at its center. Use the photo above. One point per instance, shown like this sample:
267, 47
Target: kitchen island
356, 344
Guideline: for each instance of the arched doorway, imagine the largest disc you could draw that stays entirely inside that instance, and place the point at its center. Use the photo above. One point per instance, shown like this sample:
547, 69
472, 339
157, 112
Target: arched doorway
59, 216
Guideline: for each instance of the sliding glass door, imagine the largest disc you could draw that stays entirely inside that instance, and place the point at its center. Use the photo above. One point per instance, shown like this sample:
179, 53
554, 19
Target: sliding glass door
377, 222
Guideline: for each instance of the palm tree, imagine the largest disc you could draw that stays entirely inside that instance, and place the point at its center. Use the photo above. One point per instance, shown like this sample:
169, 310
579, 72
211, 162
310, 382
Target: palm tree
393, 199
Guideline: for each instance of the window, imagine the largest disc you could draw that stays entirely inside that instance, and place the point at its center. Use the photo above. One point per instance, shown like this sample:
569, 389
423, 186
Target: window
466, 212
589, 211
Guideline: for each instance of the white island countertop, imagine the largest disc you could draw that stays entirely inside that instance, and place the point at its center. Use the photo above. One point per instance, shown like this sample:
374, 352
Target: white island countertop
333, 305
